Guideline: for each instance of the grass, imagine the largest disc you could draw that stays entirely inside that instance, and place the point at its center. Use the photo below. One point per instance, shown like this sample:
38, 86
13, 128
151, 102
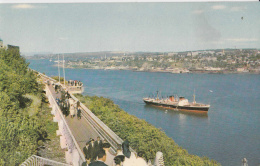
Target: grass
35, 104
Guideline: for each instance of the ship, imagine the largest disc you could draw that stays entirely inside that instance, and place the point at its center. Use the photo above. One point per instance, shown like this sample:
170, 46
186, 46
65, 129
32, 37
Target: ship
179, 103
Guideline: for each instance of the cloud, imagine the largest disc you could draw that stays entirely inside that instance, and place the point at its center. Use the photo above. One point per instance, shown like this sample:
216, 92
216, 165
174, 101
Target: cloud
238, 8
23, 6
198, 12
218, 7
242, 39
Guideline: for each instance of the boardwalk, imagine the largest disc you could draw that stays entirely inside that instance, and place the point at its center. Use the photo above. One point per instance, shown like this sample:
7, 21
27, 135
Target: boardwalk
80, 128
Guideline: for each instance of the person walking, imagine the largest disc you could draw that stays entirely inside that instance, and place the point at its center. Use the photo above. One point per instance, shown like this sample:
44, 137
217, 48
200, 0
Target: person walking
79, 113
58, 100
86, 153
67, 95
72, 108
78, 110
92, 151
66, 107
78, 104
56, 88
62, 96
98, 144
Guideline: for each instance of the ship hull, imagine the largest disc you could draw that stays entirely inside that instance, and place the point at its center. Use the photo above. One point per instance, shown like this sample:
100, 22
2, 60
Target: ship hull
190, 108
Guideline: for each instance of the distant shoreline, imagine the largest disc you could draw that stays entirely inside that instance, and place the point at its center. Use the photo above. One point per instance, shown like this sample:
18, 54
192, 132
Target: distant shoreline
165, 71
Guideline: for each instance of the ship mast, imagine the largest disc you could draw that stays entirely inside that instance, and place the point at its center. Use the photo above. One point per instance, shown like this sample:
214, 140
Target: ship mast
157, 95
59, 66
194, 97
63, 71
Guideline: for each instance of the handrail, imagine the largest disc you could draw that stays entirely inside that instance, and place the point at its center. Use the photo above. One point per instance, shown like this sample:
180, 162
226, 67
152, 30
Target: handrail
102, 129
37, 160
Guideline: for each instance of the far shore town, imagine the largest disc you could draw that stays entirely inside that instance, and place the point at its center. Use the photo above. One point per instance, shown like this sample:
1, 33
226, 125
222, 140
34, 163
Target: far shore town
205, 61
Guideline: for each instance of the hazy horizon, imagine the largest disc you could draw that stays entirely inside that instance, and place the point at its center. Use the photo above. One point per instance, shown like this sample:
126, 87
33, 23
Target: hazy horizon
130, 27
35, 53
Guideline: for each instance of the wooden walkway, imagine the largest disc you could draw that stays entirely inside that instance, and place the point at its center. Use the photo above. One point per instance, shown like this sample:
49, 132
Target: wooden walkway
80, 128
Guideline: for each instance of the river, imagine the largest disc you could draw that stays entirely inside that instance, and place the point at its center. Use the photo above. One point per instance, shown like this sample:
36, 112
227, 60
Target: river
228, 133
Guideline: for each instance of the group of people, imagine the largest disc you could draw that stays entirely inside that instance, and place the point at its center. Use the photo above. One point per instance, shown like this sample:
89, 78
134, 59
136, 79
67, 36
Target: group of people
74, 83
56, 86
68, 105
97, 154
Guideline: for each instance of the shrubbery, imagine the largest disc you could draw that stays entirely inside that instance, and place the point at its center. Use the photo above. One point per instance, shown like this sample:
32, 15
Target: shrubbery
61, 79
20, 124
142, 135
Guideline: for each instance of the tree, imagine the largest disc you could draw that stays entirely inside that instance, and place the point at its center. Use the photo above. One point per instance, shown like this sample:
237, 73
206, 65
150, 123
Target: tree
19, 131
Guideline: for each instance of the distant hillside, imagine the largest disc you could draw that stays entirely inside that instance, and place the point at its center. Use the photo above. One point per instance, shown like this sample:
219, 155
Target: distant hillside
107, 54
82, 55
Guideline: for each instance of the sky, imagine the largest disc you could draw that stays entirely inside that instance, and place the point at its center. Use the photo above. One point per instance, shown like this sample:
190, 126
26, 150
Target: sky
155, 27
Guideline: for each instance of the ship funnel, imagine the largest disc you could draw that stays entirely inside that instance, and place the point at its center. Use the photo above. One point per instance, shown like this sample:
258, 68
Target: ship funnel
171, 98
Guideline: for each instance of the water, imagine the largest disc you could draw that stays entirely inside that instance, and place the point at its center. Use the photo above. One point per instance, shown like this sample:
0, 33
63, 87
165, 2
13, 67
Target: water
228, 133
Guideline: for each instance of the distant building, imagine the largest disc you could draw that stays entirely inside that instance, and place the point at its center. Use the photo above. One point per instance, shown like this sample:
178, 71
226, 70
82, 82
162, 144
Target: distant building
195, 53
11, 47
172, 53
1, 43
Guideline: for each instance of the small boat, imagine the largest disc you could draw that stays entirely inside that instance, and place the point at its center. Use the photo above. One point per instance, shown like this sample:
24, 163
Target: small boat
176, 102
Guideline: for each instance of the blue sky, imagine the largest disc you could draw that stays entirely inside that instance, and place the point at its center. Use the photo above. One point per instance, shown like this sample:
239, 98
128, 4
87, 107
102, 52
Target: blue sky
88, 27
